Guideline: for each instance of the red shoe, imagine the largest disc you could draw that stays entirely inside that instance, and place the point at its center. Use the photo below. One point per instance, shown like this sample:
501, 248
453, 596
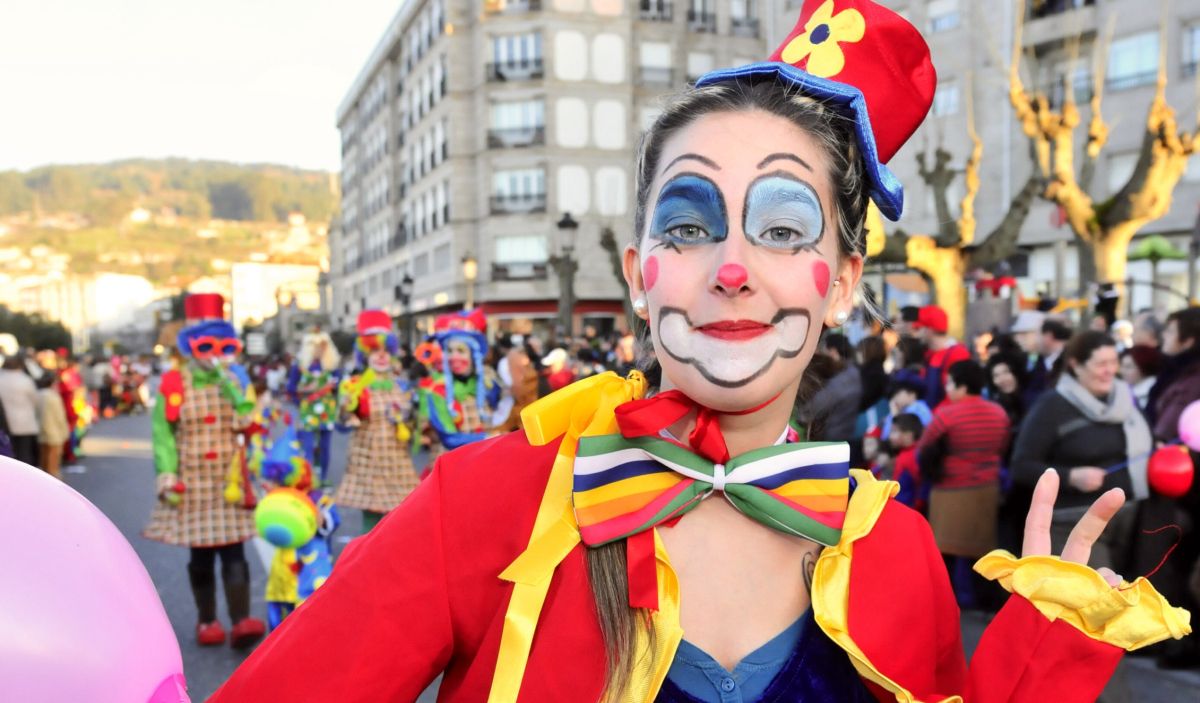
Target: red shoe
246, 632
210, 634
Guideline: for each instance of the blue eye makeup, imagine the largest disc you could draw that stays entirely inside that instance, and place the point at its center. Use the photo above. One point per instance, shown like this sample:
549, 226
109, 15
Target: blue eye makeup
783, 212
690, 210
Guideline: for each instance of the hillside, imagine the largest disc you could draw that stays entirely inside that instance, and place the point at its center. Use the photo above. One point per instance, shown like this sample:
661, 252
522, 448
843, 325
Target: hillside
104, 194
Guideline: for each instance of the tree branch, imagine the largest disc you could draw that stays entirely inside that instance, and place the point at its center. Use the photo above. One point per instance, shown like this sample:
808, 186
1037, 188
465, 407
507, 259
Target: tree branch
1001, 242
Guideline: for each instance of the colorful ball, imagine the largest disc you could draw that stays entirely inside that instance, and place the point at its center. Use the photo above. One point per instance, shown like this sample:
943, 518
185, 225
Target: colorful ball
286, 518
1170, 471
1189, 426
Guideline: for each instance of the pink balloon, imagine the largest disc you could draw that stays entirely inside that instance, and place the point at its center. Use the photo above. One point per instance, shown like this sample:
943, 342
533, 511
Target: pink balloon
1189, 426
80, 619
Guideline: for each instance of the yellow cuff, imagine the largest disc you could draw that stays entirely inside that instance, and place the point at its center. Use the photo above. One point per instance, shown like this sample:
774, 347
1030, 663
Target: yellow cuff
1130, 616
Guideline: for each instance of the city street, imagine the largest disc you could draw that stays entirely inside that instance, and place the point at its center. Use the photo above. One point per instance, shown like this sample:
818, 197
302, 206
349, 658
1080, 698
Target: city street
119, 480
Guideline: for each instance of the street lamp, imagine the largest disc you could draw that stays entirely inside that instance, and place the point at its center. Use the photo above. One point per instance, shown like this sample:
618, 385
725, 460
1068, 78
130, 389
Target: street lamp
470, 270
565, 266
404, 293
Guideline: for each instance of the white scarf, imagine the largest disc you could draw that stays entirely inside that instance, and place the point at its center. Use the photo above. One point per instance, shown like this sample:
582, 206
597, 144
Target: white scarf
1117, 409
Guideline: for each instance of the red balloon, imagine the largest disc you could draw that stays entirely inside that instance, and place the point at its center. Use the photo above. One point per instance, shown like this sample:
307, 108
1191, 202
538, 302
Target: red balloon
1170, 471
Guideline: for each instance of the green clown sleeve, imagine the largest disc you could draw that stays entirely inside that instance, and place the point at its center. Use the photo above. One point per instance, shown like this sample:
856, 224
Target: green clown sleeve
162, 434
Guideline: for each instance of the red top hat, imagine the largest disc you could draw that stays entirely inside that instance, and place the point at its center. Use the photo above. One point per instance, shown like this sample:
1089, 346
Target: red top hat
866, 61
467, 320
198, 307
374, 322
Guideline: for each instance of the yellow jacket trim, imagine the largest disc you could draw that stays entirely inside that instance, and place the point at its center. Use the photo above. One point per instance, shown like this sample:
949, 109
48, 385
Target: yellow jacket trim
582, 409
831, 579
1130, 616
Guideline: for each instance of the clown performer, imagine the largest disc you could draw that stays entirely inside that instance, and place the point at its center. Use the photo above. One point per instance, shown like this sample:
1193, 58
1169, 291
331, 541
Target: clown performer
299, 519
202, 408
379, 472
312, 387
666, 542
457, 400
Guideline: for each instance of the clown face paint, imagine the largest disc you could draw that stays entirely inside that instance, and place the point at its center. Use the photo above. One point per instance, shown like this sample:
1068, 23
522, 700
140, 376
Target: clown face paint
459, 356
380, 361
741, 206
732, 354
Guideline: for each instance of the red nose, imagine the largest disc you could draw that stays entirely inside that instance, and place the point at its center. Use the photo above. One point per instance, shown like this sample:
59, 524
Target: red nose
732, 276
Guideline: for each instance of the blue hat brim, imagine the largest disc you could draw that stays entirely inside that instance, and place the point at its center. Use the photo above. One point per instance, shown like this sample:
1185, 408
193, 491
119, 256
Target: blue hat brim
885, 188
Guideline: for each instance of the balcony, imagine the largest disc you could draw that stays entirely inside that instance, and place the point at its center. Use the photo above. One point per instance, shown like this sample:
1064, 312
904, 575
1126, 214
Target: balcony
652, 11
518, 203
516, 137
656, 76
531, 69
1131, 80
702, 21
525, 271
1056, 7
513, 7
744, 27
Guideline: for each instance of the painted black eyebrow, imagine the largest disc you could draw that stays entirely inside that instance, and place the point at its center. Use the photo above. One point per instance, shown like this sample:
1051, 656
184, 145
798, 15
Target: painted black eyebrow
704, 160
780, 155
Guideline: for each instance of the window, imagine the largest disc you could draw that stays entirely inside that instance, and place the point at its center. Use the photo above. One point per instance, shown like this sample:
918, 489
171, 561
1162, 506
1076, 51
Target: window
1133, 61
445, 200
419, 218
517, 49
519, 115
439, 142
441, 257
698, 64
519, 190
441, 209
945, 99
655, 63
943, 15
1191, 48
524, 249
420, 265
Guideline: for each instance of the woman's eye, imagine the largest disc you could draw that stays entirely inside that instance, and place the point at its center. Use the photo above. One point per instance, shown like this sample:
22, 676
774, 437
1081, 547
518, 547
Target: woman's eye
785, 237
687, 232
781, 234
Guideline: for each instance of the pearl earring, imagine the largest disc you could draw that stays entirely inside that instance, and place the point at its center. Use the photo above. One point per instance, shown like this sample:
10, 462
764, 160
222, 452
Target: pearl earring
841, 317
836, 284
640, 306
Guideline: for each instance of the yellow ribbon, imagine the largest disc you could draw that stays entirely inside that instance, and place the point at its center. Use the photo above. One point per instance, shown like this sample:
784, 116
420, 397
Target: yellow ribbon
583, 409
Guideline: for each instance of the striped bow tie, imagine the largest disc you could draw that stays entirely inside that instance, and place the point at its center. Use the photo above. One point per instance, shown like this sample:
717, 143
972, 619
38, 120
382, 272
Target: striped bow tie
624, 486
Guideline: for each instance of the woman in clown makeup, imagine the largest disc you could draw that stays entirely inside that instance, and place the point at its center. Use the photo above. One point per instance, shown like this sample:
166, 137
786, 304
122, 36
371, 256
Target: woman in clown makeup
457, 399
203, 489
665, 537
379, 470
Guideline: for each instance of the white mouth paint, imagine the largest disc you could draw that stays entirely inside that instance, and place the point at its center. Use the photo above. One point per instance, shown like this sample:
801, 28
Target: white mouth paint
732, 363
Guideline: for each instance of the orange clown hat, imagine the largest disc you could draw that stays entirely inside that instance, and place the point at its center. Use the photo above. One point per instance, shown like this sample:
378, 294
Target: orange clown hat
864, 60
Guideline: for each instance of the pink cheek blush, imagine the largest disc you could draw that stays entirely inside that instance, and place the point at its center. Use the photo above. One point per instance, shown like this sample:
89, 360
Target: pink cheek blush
820, 277
650, 272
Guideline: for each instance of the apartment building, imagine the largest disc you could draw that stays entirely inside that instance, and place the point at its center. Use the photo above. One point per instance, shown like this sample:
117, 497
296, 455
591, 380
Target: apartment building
971, 42
476, 126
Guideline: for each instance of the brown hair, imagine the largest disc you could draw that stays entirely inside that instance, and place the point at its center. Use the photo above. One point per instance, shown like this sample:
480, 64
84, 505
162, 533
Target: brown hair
1082, 346
834, 133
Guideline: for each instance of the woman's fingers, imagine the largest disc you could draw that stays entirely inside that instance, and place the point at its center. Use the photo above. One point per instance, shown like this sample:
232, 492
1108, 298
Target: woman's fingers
1041, 510
1091, 525
1111, 577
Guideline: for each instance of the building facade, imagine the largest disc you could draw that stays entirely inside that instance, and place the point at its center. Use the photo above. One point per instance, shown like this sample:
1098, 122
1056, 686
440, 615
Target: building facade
972, 43
476, 127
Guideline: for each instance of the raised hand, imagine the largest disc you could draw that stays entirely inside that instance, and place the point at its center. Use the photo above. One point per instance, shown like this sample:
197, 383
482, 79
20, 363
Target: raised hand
1089, 528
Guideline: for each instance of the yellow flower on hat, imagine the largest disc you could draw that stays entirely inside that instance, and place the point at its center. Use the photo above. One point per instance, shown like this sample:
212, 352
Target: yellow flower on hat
820, 42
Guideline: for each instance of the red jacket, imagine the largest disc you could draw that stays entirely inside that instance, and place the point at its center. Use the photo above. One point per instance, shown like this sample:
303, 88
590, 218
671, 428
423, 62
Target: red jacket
420, 596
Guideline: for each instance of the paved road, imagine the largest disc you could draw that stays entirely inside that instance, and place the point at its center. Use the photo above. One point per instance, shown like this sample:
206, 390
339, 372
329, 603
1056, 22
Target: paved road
119, 480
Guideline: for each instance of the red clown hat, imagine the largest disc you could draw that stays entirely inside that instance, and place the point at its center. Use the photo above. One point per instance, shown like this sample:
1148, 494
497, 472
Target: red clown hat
866, 61
199, 307
374, 322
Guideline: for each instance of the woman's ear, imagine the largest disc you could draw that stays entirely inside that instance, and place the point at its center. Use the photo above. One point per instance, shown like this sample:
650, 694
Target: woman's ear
841, 298
631, 265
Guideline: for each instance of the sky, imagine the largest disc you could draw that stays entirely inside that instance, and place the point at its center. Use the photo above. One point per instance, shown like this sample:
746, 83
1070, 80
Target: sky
250, 81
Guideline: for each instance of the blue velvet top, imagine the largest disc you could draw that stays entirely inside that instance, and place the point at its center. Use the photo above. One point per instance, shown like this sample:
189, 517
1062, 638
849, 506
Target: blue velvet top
799, 664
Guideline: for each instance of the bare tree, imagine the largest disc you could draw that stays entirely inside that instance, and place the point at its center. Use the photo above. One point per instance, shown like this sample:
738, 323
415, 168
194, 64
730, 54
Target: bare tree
1104, 228
947, 256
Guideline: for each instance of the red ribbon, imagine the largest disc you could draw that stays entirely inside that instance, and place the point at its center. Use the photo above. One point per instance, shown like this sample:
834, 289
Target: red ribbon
650, 416
641, 570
